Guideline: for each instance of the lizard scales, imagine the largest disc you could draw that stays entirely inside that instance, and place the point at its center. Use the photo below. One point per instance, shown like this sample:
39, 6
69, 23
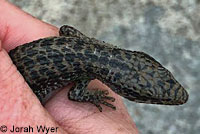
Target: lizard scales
51, 63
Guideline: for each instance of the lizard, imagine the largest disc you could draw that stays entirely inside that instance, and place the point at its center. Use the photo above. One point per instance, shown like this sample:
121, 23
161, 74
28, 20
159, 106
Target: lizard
51, 63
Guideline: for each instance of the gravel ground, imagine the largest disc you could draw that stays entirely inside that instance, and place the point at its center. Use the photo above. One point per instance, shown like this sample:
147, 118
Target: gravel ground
169, 30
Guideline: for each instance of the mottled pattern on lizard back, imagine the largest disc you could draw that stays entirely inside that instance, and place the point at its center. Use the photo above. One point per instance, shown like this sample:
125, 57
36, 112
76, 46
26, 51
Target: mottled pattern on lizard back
51, 63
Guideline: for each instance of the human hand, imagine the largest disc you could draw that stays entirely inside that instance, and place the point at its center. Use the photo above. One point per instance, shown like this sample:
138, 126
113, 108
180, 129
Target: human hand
20, 107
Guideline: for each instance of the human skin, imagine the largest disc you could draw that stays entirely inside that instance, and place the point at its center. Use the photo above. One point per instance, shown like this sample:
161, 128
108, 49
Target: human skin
20, 107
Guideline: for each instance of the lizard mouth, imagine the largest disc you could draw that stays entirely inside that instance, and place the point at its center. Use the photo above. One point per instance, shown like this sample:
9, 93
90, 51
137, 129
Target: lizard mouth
169, 100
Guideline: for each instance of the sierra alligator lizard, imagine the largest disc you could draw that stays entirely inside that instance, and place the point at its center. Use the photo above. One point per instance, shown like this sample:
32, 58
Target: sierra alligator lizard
51, 63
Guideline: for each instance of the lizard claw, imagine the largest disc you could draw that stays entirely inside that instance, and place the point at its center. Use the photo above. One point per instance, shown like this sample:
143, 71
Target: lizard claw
100, 97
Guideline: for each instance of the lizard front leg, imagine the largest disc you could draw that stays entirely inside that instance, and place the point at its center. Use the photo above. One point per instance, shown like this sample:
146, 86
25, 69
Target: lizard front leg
79, 92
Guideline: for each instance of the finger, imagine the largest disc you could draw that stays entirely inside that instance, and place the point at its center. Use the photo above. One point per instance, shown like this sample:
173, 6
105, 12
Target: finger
15, 96
18, 27
80, 117
17, 102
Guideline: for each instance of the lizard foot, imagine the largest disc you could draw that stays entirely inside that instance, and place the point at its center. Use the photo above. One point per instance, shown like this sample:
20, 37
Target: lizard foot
80, 93
99, 97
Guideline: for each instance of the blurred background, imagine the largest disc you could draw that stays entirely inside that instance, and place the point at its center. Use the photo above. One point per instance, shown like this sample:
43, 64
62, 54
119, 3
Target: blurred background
168, 30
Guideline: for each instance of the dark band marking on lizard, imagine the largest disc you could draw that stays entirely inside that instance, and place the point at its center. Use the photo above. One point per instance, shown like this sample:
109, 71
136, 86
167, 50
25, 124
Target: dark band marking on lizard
51, 63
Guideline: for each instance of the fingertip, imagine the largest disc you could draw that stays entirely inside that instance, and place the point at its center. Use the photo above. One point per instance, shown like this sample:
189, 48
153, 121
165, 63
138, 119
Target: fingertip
18, 27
